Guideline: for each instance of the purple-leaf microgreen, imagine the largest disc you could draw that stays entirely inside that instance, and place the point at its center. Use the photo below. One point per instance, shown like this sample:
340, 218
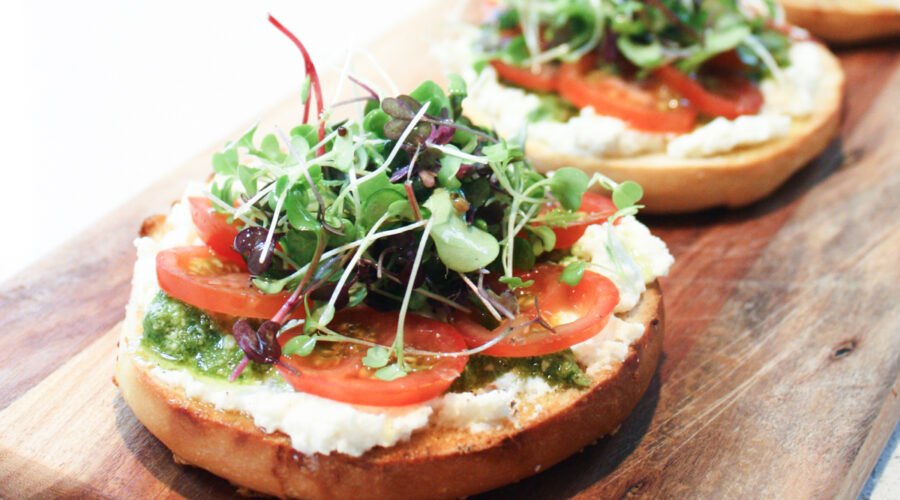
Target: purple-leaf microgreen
384, 165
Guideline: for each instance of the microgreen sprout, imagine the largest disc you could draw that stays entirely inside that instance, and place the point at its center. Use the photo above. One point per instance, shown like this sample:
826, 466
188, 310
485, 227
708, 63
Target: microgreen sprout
411, 208
628, 34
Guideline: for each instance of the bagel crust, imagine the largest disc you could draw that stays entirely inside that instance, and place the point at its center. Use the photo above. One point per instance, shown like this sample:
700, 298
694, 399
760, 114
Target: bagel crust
437, 462
733, 179
844, 21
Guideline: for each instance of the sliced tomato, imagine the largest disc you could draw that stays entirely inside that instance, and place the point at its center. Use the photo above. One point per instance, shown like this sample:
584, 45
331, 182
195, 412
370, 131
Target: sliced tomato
199, 277
595, 209
542, 81
576, 314
736, 95
610, 95
335, 370
214, 229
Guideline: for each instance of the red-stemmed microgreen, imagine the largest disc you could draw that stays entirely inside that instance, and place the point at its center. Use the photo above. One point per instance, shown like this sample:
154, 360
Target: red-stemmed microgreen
314, 78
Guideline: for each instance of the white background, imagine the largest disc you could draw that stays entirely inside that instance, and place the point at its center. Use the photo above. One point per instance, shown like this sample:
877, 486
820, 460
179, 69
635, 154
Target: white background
100, 98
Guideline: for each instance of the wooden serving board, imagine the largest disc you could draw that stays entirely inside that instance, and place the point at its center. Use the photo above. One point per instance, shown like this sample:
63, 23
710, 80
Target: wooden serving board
781, 360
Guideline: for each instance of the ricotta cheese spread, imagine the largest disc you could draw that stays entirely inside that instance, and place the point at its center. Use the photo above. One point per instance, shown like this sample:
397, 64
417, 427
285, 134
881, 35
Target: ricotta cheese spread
790, 95
319, 425
627, 254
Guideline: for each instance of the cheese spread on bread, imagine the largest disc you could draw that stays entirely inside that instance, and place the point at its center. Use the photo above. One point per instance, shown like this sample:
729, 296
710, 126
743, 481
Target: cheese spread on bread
319, 425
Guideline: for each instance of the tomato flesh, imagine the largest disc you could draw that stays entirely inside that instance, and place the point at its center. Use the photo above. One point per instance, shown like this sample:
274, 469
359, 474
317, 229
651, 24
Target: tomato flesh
199, 277
595, 208
214, 229
335, 370
737, 96
611, 95
542, 81
575, 313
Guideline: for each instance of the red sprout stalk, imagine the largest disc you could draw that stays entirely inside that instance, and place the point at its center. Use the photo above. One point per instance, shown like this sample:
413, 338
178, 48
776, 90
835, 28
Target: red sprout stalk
314, 79
411, 196
295, 297
364, 87
239, 368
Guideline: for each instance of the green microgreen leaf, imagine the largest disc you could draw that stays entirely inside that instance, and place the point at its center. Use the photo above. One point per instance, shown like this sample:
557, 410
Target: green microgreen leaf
345, 152
523, 254
377, 357
573, 273
546, 236
403, 210
568, 184
320, 316
300, 245
433, 94
379, 202
643, 55
271, 149
627, 194
301, 345
304, 89
558, 217
309, 134
447, 174
248, 178
461, 247
224, 192
269, 285
514, 282
456, 85
390, 372
358, 293
226, 162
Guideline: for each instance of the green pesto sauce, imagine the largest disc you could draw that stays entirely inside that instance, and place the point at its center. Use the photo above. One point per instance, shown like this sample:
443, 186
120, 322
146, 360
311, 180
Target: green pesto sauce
551, 107
183, 336
558, 369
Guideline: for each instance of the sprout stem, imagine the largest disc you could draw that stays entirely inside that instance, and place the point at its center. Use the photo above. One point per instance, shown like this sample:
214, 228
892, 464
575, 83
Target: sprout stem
404, 306
292, 301
314, 78
487, 303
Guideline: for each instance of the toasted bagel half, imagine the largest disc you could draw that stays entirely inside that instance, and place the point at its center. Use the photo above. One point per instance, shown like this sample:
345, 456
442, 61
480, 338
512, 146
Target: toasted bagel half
436, 462
733, 179
844, 21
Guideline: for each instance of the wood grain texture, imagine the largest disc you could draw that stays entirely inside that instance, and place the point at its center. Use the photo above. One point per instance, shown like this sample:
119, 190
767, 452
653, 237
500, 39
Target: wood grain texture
781, 360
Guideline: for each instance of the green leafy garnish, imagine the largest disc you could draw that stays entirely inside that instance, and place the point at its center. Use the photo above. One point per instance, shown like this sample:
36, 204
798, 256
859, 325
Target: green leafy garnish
390, 372
301, 345
411, 208
568, 184
573, 273
646, 34
377, 357
627, 194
